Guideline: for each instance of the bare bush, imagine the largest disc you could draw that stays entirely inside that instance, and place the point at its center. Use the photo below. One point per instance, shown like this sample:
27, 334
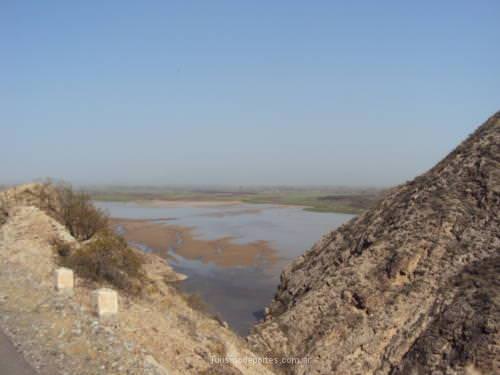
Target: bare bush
108, 258
72, 208
61, 247
4, 209
78, 213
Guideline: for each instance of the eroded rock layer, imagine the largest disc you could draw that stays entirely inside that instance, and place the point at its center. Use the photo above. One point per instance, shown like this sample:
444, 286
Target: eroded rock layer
409, 287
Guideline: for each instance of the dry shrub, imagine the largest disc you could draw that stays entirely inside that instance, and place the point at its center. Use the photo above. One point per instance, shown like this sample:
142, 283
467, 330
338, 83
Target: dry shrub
77, 212
4, 209
61, 247
46, 195
108, 258
105, 257
72, 208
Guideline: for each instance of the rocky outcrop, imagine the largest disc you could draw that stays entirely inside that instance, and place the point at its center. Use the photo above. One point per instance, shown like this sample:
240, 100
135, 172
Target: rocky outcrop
409, 287
463, 333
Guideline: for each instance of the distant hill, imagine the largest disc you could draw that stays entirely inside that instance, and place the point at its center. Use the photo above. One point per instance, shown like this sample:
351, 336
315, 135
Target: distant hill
411, 286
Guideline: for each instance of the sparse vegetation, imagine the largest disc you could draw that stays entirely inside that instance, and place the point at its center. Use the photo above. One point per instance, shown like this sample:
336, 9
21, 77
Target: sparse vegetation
102, 256
61, 247
74, 209
79, 215
106, 258
4, 210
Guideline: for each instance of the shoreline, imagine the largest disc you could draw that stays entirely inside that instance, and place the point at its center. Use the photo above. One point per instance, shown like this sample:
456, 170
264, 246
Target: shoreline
353, 205
181, 203
205, 203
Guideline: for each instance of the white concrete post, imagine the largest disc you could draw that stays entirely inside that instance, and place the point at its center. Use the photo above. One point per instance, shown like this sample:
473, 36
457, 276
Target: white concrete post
64, 279
105, 302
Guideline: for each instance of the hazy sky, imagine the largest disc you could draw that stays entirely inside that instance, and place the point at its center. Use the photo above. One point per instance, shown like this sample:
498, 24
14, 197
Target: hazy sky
242, 92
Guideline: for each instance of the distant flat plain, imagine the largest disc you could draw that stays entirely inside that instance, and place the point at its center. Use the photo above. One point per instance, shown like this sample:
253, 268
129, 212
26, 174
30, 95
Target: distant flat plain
340, 200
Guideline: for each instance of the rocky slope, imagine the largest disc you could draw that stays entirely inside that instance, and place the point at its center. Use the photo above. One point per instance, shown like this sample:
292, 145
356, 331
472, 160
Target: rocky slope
156, 334
409, 287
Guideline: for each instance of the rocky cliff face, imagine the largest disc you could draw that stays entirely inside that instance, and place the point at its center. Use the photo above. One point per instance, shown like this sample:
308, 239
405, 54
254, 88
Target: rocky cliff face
409, 287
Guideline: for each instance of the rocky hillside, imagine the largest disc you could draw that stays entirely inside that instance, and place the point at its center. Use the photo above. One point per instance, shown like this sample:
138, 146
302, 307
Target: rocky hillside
155, 333
409, 287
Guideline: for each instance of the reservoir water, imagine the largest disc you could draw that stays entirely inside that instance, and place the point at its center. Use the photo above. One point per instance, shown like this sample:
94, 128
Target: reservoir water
237, 294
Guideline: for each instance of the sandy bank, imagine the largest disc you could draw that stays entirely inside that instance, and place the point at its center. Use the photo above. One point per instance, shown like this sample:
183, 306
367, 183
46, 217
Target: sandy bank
224, 252
183, 203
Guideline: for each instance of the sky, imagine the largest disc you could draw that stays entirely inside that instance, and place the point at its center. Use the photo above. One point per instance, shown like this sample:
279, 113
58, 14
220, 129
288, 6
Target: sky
362, 93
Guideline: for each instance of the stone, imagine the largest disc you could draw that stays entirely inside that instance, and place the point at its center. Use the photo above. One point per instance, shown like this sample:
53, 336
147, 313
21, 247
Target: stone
105, 302
64, 279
